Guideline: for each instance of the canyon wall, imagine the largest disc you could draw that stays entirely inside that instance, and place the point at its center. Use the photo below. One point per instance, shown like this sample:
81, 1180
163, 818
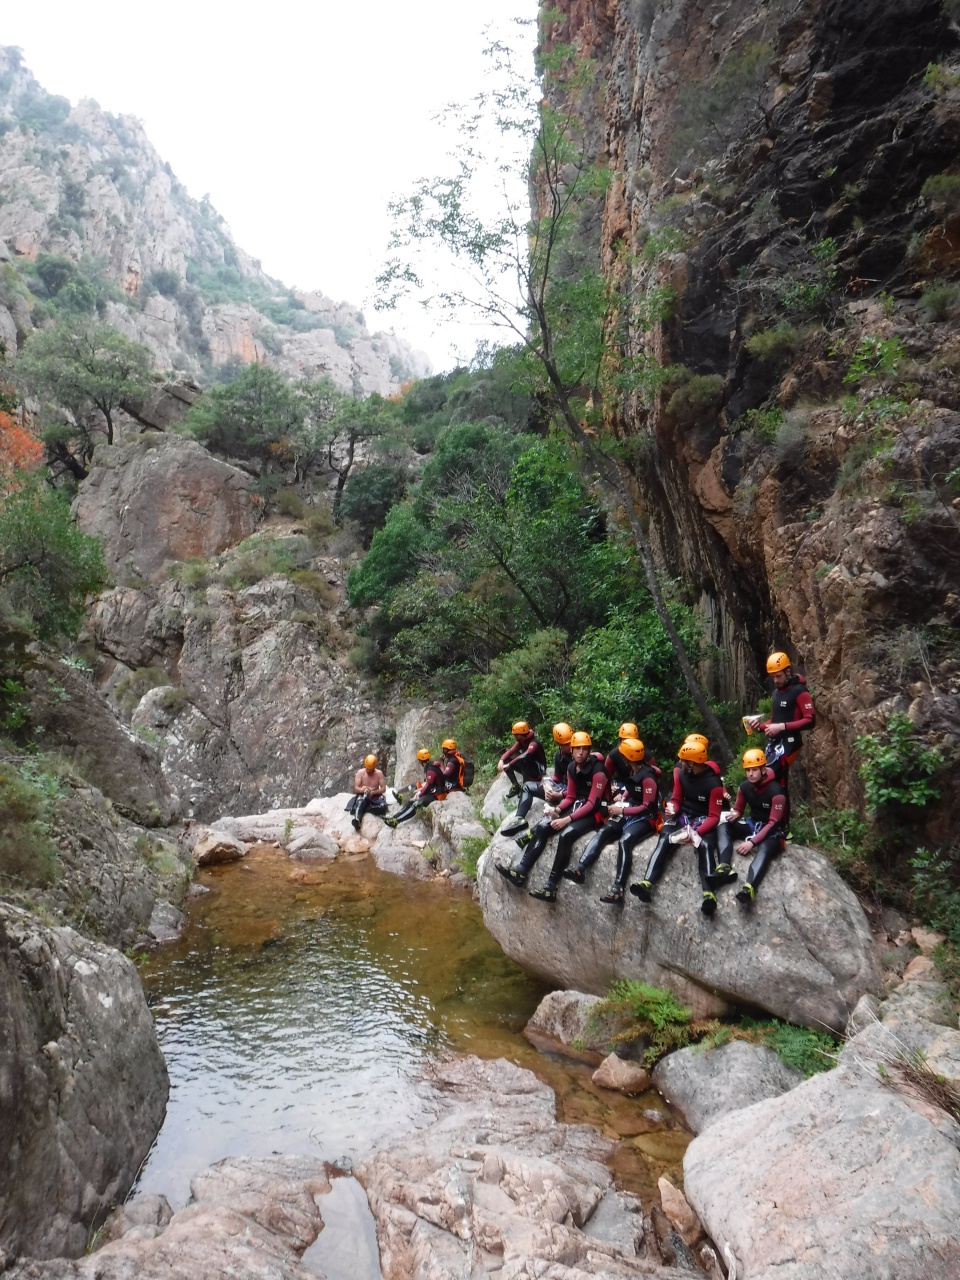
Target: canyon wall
771, 164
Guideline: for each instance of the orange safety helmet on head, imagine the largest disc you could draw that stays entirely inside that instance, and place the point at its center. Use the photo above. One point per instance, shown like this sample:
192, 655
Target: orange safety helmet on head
777, 662
632, 750
698, 739
520, 729
448, 744
693, 752
423, 755
628, 730
754, 759
581, 739
370, 762
562, 733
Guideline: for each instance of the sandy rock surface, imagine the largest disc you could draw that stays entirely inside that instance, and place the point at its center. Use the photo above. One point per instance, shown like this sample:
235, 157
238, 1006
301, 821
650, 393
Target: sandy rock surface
497, 1184
247, 1220
803, 952
83, 1085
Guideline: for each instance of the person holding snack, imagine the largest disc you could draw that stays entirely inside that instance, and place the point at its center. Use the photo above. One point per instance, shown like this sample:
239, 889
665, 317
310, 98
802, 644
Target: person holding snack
761, 835
551, 788
792, 714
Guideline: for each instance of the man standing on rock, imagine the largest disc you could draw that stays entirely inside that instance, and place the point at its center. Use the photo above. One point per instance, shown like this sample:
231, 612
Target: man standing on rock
693, 812
524, 760
792, 714
761, 835
370, 792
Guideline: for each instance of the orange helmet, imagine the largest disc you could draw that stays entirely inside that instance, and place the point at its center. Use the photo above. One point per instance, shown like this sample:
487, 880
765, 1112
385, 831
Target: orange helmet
777, 662
581, 739
693, 752
520, 729
699, 739
449, 744
562, 733
632, 750
628, 730
754, 759
423, 755
370, 762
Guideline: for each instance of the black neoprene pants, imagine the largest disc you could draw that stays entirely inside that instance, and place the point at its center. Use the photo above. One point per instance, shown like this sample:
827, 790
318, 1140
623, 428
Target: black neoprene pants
410, 809
611, 830
373, 804
524, 770
706, 855
531, 791
568, 837
635, 830
767, 849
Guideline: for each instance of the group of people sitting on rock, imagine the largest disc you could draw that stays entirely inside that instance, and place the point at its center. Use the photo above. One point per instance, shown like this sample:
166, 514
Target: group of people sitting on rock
617, 797
450, 773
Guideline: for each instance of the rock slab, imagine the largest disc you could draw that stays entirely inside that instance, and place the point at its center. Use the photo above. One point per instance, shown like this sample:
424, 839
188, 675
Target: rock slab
803, 952
83, 1085
703, 1086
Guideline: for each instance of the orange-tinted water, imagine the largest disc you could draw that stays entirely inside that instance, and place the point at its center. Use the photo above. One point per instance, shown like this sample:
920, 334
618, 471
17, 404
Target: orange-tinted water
298, 1006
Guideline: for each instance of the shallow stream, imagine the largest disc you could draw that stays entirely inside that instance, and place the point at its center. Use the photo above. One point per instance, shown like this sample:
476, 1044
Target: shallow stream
297, 1008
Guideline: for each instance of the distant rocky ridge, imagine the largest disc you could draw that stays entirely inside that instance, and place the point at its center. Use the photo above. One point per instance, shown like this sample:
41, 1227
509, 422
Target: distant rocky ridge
87, 185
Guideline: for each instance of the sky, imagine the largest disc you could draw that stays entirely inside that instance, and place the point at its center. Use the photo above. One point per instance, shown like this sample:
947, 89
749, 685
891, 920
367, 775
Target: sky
301, 121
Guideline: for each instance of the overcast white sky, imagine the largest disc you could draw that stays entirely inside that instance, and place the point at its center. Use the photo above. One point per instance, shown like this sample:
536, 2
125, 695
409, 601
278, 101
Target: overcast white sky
300, 120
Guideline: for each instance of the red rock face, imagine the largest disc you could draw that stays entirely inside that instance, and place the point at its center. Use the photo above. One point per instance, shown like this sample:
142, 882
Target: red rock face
839, 538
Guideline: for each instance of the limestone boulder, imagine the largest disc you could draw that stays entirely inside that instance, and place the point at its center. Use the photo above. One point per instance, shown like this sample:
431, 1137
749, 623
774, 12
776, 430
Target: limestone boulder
83, 1085
418, 727
155, 498
563, 1015
247, 1219
496, 806
496, 1184
803, 952
705, 1085
214, 847
73, 716
842, 1177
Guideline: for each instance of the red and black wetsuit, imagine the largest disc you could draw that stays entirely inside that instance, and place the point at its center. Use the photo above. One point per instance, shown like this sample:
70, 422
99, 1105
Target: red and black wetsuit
793, 708
640, 818
767, 803
434, 787
618, 767
585, 798
698, 802
524, 761
558, 779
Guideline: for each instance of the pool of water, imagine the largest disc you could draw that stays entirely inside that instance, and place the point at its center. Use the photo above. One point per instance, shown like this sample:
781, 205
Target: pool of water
300, 1003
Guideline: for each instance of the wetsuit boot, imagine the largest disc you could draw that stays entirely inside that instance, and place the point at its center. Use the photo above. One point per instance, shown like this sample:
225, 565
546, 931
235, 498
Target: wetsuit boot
609, 832
517, 876
614, 895
403, 815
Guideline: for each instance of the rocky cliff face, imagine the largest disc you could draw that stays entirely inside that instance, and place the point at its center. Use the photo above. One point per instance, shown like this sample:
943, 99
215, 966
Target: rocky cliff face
85, 184
83, 1085
772, 160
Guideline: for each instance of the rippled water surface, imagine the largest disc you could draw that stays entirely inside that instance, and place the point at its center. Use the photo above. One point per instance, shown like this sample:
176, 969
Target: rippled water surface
300, 1003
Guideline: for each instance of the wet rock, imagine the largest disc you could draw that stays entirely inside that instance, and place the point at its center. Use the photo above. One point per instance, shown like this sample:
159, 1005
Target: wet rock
247, 1219
803, 952
703, 1086
496, 1183
563, 1015
83, 1085
312, 846
166, 921
622, 1075
677, 1209
840, 1170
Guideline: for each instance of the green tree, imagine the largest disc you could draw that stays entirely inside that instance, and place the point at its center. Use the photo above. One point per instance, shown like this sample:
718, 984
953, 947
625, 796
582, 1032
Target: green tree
538, 278
48, 567
391, 560
254, 416
369, 495
88, 370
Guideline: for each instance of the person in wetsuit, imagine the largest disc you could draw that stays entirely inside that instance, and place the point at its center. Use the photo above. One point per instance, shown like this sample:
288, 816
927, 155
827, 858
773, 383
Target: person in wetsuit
551, 788
581, 810
761, 835
618, 766
433, 787
792, 714
451, 766
524, 761
634, 814
693, 812
369, 792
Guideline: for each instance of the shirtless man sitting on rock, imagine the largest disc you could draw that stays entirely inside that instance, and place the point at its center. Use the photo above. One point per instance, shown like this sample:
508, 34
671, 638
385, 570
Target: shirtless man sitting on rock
369, 792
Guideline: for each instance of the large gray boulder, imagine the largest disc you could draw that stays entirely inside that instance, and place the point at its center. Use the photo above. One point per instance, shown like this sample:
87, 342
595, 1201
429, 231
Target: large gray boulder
803, 952
247, 1219
704, 1085
157, 497
83, 1085
495, 1184
842, 1178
